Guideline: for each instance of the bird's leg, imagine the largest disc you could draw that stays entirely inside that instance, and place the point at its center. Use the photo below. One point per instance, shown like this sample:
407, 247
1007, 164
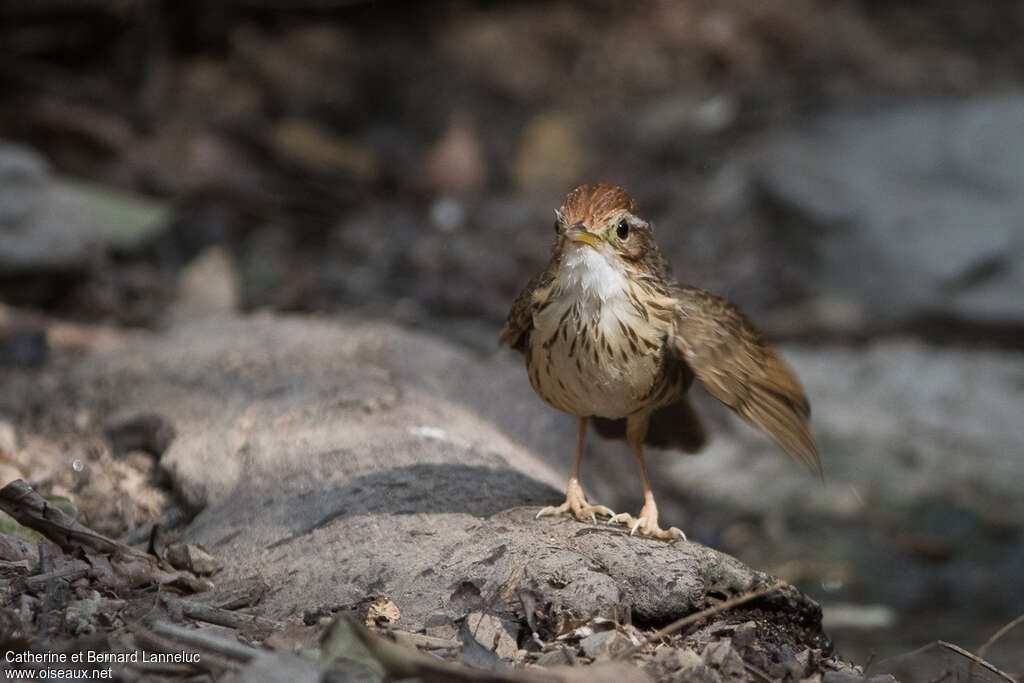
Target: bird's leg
647, 522
575, 501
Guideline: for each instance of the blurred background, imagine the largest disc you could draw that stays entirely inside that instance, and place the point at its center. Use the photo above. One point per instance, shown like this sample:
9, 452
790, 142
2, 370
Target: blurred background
848, 171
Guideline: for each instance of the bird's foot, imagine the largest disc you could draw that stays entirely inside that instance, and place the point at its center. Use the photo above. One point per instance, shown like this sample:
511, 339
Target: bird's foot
576, 504
647, 524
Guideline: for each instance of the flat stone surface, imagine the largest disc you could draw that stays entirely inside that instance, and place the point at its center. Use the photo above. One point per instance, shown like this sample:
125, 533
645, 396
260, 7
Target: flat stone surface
337, 461
915, 209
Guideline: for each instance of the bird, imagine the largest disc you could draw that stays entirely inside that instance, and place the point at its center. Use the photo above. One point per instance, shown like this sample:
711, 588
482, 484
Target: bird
610, 337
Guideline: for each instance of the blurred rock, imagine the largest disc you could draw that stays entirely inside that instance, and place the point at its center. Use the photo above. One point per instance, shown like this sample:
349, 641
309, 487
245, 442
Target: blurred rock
560, 656
665, 123
208, 286
493, 633
313, 146
597, 645
897, 422
48, 224
845, 615
447, 214
128, 221
550, 154
456, 164
295, 442
43, 227
721, 655
914, 211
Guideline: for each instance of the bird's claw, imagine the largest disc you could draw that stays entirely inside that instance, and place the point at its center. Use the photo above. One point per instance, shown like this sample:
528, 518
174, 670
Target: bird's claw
646, 526
623, 518
580, 509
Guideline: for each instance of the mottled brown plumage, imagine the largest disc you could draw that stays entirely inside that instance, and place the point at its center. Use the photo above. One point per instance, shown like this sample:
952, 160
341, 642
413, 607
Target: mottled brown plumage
609, 336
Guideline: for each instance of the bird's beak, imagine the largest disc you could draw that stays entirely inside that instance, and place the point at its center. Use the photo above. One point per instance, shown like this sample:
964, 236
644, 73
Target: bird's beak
578, 233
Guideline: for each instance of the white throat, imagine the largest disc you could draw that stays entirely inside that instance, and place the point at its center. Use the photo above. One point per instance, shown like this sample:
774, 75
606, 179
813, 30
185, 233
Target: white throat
585, 270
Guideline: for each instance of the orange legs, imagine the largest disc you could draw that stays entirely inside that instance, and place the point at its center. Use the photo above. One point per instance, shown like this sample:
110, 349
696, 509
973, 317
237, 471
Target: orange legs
575, 501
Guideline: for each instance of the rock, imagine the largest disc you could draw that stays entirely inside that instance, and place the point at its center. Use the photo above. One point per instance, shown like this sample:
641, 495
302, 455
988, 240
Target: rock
495, 634
48, 224
560, 656
442, 627
912, 211
42, 227
596, 645
744, 634
721, 655
208, 286
324, 457
342, 649
673, 659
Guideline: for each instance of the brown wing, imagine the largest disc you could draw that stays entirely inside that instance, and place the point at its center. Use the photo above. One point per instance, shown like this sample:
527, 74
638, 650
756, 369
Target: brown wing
519, 323
729, 357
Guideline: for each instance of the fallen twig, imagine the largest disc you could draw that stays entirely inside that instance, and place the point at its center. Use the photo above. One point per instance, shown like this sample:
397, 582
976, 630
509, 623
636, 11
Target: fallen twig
423, 640
157, 642
976, 661
202, 640
232, 595
973, 660
218, 616
682, 623
29, 509
70, 572
404, 662
999, 634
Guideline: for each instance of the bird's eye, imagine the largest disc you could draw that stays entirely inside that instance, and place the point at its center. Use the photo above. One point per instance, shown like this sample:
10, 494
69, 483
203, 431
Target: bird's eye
623, 230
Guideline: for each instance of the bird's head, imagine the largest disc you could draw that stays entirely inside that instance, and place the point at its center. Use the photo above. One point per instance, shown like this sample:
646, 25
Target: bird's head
605, 218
